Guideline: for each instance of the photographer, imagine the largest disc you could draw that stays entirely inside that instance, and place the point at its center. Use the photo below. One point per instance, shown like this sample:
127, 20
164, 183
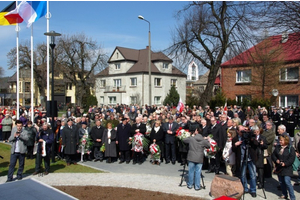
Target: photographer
18, 139
245, 151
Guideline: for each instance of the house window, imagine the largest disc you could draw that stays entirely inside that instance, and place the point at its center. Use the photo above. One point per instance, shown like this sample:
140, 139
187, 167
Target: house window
289, 74
27, 86
157, 100
289, 100
165, 65
174, 82
133, 99
133, 82
117, 82
201, 88
117, 66
157, 81
112, 100
243, 76
102, 99
102, 83
69, 86
241, 98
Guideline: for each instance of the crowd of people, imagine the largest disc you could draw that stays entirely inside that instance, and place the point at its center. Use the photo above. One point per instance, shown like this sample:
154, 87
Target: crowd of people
258, 140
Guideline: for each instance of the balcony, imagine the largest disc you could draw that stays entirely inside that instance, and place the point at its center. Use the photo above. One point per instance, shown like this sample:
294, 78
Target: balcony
112, 89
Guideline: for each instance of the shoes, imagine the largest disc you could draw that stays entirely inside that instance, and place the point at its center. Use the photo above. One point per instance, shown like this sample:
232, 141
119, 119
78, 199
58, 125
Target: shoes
8, 180
127, 162
96, 160
282, 197
253, 195
246, 191
121, 162
217, 172
209, 171
46, 173
75, 163
167, 162
297, 183
173, 162
101, 160
134, 162
259, 186
197, 189
20, 178
35, 173
68, 164
140, 163
189, 187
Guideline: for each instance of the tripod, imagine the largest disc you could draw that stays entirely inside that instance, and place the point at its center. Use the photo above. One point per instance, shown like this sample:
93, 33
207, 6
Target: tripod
246, 163
182, 178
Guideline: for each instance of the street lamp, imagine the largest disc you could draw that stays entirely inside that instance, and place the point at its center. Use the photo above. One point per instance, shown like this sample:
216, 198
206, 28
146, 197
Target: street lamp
149, 62
52, 35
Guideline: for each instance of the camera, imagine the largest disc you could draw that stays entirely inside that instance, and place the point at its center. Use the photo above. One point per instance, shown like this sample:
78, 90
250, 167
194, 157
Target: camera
227, 160
247, 136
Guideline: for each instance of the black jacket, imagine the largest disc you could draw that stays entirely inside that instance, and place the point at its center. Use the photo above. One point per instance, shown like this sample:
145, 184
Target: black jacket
288, 157
97, 133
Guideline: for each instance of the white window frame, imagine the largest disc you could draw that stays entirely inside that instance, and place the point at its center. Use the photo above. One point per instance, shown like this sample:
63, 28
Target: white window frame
133, 99
101, 83
102, 99
165, 65
241, 76
133, 79
112, 100
172, 82
156, 82
117, 82
283, 74
242, 96
157, 100
117, 66
284, 100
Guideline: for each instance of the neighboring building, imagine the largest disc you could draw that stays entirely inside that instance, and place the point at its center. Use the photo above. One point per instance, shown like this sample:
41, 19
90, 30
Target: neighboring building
195, 88
7, 96
64, 90
192, 72
126, 79
272, 64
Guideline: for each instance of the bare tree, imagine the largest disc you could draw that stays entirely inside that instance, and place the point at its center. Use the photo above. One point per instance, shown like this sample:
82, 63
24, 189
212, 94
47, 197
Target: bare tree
1, 71
79, 56
206, 32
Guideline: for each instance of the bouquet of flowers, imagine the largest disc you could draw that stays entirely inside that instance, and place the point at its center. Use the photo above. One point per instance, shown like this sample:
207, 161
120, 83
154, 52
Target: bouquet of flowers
137, 142
85, 145
102, 147
155, 153
148, 129
182, 133
212, 151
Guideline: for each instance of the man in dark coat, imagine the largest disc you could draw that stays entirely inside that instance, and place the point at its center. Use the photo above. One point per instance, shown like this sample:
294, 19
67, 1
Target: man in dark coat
70, 140
170, 132
291, 123
96, 135
182, 147
123, 134
45, 134
214, 130
138, 127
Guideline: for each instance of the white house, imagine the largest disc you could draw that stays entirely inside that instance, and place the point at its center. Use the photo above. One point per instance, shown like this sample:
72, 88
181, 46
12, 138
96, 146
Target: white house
126, 79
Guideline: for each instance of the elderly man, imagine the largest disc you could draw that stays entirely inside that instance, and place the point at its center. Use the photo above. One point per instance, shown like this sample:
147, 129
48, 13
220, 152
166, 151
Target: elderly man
123, 134
269, 134
96, 135
44, 135
169, 129
70, 140
18, 139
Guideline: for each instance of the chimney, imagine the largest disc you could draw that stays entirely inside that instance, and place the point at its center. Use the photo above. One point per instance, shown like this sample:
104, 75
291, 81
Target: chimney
147, 47
284, 37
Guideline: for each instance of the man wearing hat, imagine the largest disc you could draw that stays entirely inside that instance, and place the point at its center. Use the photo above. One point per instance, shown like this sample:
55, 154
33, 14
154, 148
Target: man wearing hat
70, 140
123, 134
290, 123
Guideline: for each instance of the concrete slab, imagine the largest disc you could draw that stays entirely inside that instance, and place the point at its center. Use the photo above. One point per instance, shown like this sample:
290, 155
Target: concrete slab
30, 189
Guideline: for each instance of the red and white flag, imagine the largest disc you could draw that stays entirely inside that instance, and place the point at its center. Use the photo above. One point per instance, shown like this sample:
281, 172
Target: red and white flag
180, 106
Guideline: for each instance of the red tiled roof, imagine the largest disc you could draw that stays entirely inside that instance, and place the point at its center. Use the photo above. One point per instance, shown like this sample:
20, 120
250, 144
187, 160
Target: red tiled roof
217, 81
290, 50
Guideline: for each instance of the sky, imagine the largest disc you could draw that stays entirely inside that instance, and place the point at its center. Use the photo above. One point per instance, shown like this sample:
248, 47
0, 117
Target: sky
110, 23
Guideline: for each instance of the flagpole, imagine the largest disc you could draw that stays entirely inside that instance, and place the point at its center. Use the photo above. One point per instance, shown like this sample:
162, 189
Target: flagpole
32, 80
48, 51
17, 88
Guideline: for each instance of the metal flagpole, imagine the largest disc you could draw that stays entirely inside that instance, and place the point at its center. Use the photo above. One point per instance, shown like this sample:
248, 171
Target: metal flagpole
32, 79
17, 86
48, 16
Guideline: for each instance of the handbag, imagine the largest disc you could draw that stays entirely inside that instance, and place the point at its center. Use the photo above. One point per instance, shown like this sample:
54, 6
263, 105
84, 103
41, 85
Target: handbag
296, 163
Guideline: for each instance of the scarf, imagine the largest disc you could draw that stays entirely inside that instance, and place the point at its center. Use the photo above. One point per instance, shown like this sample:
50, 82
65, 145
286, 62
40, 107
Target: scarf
109, 135
282, 149
156, 129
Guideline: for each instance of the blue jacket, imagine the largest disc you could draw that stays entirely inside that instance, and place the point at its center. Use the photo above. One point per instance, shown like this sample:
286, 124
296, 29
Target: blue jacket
48, 137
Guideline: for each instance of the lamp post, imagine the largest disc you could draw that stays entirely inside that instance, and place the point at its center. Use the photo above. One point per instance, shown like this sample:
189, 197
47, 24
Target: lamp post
52, 35
149, 61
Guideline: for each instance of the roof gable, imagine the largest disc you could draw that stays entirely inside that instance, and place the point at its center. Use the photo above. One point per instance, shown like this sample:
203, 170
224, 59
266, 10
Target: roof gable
288, 51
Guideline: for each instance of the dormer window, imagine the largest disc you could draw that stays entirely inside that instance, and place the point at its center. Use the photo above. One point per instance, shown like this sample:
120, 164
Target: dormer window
117, 66
165, 65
